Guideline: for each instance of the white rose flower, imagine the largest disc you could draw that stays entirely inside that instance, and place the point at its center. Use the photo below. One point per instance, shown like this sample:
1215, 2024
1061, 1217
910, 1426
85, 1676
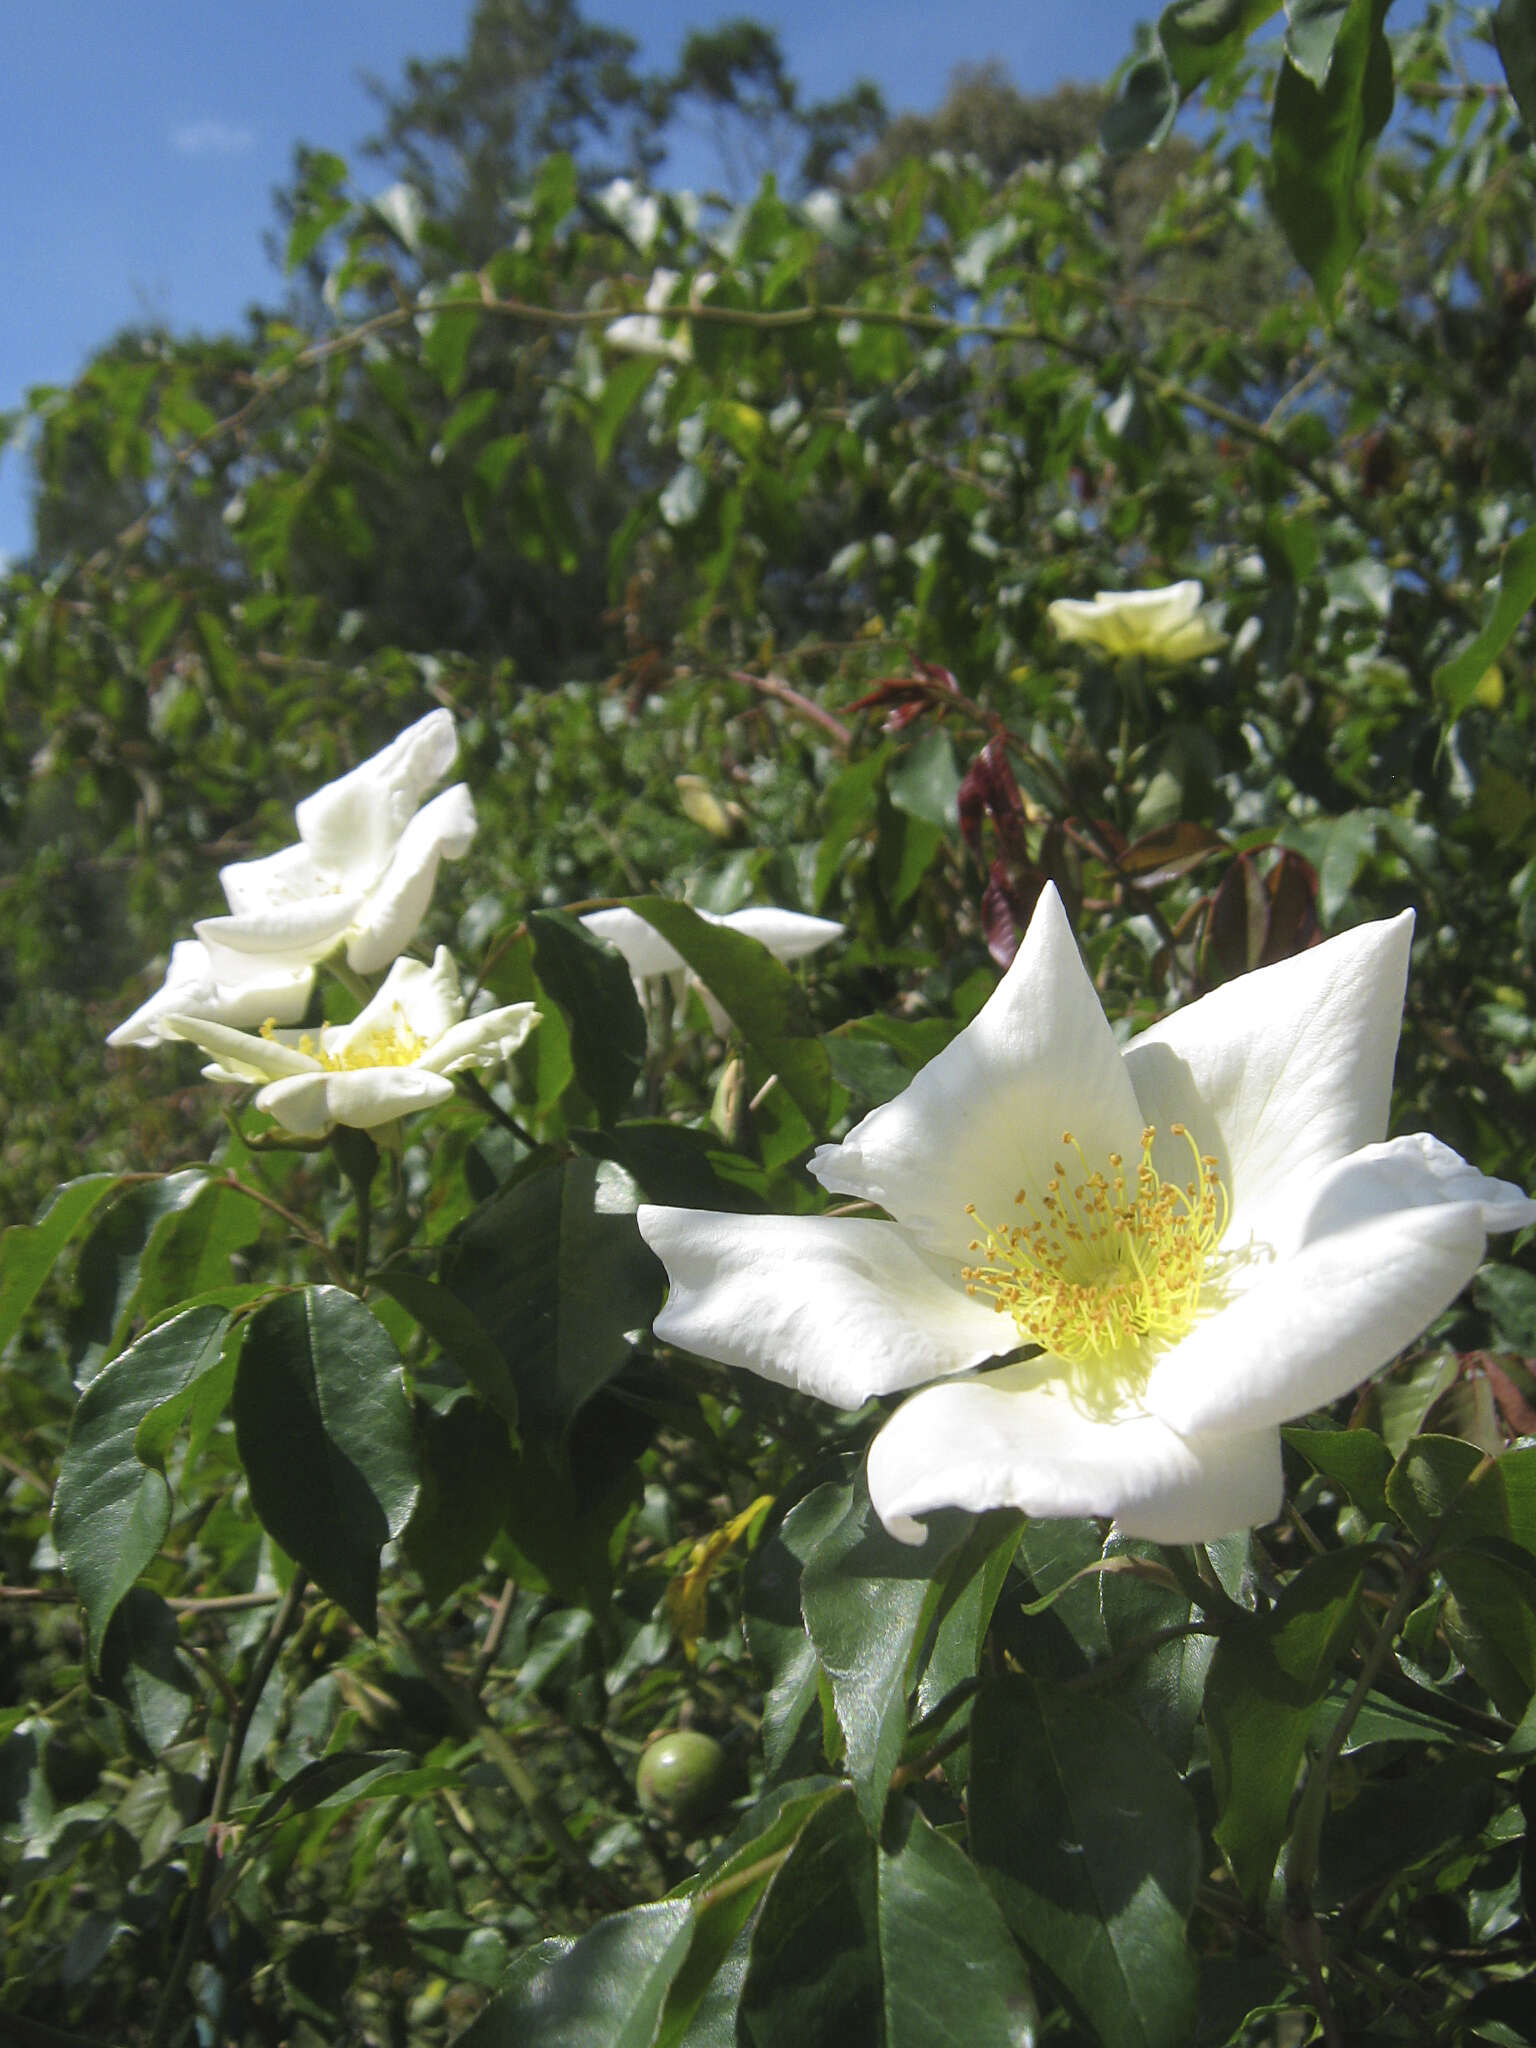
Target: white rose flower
365, 865
1164, 625
229, 989
788, 935
1193, 1239
395, 1056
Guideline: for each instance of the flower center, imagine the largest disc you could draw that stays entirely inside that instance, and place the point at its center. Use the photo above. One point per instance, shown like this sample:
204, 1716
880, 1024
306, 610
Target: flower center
387, 1045
1107, 1267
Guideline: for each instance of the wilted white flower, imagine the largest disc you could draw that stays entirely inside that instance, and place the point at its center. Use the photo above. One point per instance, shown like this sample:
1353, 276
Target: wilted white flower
1164, 625
364, 868
1124, 1269
394, 1057
228, 988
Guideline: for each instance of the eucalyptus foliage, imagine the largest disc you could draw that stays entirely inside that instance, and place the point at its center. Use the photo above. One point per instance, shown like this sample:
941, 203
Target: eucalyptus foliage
401, 1643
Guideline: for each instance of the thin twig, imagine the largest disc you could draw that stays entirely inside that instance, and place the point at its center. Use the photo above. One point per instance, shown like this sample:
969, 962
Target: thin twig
803, 707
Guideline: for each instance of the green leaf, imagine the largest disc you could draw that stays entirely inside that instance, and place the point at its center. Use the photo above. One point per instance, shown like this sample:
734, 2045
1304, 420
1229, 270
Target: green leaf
775, 1627
1311, 31
143, 1670
112, 1506
1090, 1843
848, 811
590, 981
1193, 40
1355, 1459
1428, 1491
609, 1986
1266, 1678
555, 1269
324, 1431
457, 1332
926, 782
681, 1165
898, 1945
1320, 139
29, 1251
1456, 680
759, 994
111, 1261
446, 335
467, 1475
725, 1895
1514, 36
1164, 1686
866, 1599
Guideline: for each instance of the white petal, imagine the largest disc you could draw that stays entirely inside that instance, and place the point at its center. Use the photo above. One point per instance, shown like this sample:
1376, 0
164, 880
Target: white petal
646, 952
1283, 1071
308, 1105
482, 1041
1003, 1441
391, 914
788, 934
291, 876
192, 988
242, 1054
840, 1307
1407, 1173
352, 824
985, 1117
1315, 1324
305, 930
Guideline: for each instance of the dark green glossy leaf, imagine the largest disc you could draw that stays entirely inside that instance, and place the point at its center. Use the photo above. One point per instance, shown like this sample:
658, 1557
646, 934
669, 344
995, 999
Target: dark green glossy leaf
1320, 139
758, 993
609, 1986
111, 1260
458, 1333
324, 1432
1355, 1459
593, 986
775, 1627
143, 1670
555, 1270
897, 1945
1265, 1680
112, 1506
1089, 1841
724, 1896
467, 1475
866, 1600
681, 1165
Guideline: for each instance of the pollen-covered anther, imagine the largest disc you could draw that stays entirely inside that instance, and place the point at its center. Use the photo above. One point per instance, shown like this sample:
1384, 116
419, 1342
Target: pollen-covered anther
1105, 1263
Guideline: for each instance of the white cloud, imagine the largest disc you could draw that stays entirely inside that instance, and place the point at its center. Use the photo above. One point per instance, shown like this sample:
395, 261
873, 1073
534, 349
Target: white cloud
211, 138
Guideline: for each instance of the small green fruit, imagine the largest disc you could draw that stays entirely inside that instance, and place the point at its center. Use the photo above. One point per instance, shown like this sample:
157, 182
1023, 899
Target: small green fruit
682, 1778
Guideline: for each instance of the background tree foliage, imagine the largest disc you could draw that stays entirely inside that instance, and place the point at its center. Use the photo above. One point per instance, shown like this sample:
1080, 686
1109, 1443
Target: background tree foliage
726, 526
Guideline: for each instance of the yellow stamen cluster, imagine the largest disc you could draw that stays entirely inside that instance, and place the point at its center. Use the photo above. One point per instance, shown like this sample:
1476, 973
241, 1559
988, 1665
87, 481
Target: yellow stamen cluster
394, 1045
1104, 1263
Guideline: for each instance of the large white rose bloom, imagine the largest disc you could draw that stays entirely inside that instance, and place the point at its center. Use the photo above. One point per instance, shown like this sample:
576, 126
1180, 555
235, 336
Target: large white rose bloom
1199, 1237
394, 1057
364, 868
1165, 625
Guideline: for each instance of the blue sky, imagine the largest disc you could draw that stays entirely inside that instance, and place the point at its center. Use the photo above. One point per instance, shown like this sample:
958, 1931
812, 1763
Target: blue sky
139, 146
